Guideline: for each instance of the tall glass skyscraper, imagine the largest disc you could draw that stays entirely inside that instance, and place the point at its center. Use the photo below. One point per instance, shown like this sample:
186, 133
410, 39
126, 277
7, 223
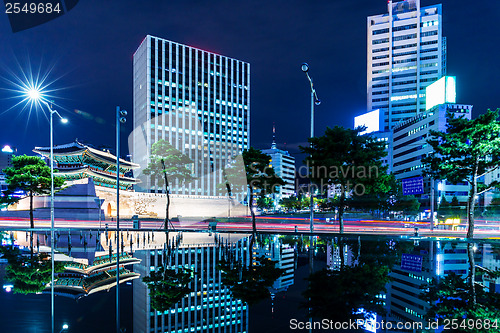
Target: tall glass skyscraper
196, 100
406, 53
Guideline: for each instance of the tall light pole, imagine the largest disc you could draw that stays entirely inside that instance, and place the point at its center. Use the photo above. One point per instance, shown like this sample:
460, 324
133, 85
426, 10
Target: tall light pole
314, 101
36, 95
52, 244
120, 119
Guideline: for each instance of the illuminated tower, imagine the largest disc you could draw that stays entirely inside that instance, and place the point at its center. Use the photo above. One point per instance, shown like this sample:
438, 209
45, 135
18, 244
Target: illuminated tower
196, 100
284, 166
406, 53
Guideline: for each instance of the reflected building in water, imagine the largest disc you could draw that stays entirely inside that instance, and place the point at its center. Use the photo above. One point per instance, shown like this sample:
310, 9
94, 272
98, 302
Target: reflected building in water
333, 256
284, 256
438, 259
210, 306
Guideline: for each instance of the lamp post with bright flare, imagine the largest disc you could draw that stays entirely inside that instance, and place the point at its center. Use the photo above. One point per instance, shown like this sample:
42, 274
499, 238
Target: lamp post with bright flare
314, 101
36, 95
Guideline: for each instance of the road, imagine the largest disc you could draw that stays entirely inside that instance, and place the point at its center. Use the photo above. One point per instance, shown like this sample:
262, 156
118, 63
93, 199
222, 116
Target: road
483, 229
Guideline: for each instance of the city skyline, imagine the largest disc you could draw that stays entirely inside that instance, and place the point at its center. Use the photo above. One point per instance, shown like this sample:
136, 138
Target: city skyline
92, 46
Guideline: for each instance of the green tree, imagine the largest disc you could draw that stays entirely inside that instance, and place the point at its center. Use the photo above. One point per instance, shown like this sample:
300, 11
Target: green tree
29, 275
450, 298
468, 150
168, 164
290, 204
167, 286
265, 203
29, 174
260, 177
392, 200
250, 284
346, 158
407, 204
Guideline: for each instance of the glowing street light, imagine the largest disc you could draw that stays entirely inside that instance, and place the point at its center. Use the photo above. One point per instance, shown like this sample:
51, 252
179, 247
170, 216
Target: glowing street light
33, 94
314, 101
36, 95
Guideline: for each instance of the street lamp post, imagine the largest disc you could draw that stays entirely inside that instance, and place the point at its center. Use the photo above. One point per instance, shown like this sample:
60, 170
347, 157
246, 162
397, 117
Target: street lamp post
34, 94
314, 101
120, 119
52, 244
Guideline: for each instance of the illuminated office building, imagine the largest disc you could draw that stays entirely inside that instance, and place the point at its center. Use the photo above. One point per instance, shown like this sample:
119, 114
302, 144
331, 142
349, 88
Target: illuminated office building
196, 100
409, 138
406, 53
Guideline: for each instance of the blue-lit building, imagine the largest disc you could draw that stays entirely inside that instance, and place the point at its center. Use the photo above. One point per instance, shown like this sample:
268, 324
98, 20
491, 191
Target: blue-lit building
409, 139
284, 166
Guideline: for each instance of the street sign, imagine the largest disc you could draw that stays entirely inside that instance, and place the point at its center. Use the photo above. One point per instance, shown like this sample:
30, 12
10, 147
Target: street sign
411, 262
412, 186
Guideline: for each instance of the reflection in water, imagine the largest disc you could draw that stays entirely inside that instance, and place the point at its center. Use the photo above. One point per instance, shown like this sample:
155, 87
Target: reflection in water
210, 305
252, 282
28, 273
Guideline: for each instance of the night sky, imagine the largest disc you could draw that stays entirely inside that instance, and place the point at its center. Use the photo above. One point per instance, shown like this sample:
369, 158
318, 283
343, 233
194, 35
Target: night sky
90, 52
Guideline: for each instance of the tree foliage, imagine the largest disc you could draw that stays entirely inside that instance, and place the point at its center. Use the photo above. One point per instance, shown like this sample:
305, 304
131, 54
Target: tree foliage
261, 178
450, 299
346, 158
29, 275
31, 175
167, 165
250, 284
450, 209
384, 202
167, 286
265, 203
466, 151
294, 203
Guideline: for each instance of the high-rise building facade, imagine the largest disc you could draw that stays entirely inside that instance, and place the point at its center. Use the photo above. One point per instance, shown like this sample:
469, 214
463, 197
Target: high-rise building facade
406, 53
196, 100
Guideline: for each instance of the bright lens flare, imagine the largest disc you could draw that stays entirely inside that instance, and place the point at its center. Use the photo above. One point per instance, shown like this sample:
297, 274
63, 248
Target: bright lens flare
31, 89
33, 94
